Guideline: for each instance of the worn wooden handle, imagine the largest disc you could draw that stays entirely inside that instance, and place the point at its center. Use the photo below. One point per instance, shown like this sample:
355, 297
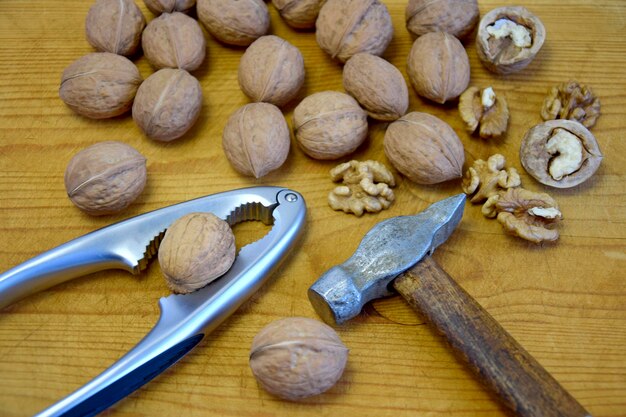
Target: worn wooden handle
502, 363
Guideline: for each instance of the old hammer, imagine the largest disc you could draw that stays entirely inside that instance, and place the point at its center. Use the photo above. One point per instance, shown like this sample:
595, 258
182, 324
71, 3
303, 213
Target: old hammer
395, 254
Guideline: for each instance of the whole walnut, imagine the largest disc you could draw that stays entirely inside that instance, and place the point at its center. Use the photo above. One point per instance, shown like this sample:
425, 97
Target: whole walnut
169, 6
329, 125
299, 14
235, 22
105, 178
174, 40
271, 70
456, 17
256, 139
167, 104
438, 67
297, 357
100, 85
115, 26
424, 148
347, 27
196, 249
377, 85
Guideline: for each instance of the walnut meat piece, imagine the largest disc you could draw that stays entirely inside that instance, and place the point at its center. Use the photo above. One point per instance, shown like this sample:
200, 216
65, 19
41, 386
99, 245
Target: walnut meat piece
347, 27
299, 14
115, 26
366, 187
560, 153
572, 101
456, 17
271, 70
100, 85
234, 22
168, 104
438, 67
297, 357
377, 85
197, 249
169, 6
482, 107
329, 125
508, 39
105, 178
487, 178
531, 216
174, 40
256, 139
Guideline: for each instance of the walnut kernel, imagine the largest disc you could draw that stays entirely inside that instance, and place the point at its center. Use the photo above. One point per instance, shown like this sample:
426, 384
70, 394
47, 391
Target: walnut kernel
299, 14
114, 26
487, 178
572, 101
234, 22
485, 109
456, 17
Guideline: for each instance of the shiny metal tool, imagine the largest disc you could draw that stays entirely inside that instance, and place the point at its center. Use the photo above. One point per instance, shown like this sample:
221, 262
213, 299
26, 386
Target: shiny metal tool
185, 319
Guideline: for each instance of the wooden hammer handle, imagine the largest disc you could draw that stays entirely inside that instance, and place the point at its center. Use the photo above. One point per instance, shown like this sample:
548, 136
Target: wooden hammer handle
502, 363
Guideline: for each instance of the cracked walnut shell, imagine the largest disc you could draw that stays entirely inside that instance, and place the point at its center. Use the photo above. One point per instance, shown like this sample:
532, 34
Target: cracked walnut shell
105, 178
169, 6
271, 70
174, 40
100, 85
299, 14
483, 109
366, 187
456, 17
234, 22
197, 249
347, 27
297, 357
256, 139
114, 26
572, 101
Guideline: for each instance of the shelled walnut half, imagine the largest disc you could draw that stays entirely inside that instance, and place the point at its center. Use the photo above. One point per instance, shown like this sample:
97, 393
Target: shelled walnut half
483, 109
572, 101
366, 187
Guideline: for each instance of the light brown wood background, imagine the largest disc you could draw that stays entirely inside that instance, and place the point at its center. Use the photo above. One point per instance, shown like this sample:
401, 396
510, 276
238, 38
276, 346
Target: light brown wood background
566, 303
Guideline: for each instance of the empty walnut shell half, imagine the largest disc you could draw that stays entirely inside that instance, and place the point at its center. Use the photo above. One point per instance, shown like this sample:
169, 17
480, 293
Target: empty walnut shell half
197, 249
271, 70
115, 26
483, 109
560, 153
174, 40
299, 14
169, 6
509, 38
234, 22
347, 27
456, 17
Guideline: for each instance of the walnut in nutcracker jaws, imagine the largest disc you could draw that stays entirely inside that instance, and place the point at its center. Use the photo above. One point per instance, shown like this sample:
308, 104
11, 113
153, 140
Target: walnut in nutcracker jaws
560, 153
234, 22
366, 187
456, 17
271, 70
508, 39
347, 27
483, 109
256, 139
115, 26
377, 85
572, 101
299, 14
169, 6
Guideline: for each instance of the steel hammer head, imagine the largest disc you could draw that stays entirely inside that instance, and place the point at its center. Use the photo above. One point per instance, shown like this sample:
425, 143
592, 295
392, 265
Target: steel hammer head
388, 249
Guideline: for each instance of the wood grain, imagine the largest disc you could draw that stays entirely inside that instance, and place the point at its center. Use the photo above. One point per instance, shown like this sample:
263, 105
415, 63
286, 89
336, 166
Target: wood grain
565, 303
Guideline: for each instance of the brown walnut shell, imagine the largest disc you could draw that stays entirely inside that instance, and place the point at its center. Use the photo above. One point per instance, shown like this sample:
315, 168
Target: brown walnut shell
105, 178
299, 14
456, 17
501, 56
297, 357
347, 27
100, 85
169, 6
167, 104
256, 139
234, 22
438, 67
424, 148
197, 249
329, 125
115, 26
271, 70
174, 40
537, 157
377, 85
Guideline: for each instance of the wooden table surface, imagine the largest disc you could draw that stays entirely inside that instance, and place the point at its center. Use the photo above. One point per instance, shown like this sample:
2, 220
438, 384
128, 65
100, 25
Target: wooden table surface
565, 303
